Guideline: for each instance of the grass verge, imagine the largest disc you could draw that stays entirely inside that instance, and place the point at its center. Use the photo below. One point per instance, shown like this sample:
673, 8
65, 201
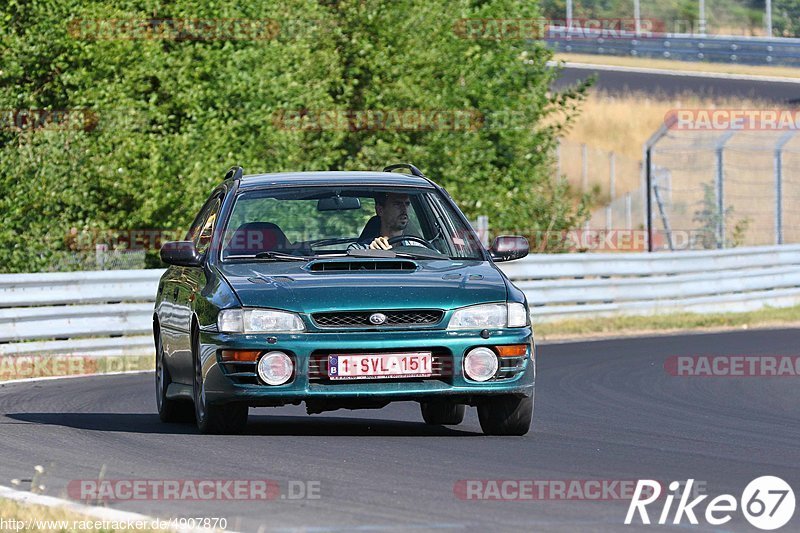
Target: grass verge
670, 323
687, 66
30, 517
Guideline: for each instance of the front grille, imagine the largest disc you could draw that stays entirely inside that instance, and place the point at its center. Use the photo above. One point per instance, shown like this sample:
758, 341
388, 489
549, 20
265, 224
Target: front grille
441, 364
240, 372
510, 367
360, 319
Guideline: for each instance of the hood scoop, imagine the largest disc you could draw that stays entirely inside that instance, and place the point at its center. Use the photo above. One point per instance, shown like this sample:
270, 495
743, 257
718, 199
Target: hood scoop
395, 265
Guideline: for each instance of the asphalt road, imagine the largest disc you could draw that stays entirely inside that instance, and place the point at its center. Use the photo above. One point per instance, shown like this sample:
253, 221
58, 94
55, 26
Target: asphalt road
605, 410
615, 82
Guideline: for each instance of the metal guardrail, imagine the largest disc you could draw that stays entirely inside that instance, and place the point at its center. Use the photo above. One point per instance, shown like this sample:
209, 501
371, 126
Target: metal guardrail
685, 47
593, 285
88, 313
109, 312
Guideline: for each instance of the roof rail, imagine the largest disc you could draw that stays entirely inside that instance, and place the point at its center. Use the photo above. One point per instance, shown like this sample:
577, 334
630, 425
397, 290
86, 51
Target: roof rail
414, 170
234, 173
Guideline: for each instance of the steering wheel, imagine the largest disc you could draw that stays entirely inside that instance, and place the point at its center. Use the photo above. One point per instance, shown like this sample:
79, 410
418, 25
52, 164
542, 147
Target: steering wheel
413, 238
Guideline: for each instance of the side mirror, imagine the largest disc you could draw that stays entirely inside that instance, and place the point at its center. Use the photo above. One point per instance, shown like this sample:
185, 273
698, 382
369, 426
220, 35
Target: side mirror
181, 253
509, 247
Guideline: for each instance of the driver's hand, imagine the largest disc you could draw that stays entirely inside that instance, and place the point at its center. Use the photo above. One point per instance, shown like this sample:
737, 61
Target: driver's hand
380, 243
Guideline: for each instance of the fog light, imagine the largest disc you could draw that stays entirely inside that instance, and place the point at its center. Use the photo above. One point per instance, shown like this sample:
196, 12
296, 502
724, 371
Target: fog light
275, 368
480, 364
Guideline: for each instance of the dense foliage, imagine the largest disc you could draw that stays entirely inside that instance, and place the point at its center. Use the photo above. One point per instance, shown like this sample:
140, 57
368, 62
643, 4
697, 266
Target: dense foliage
151, 125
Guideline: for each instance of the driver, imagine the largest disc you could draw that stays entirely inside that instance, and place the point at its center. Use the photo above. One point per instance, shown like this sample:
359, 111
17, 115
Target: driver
392, 208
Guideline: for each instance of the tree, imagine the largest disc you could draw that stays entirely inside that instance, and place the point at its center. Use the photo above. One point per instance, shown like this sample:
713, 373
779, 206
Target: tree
154, 123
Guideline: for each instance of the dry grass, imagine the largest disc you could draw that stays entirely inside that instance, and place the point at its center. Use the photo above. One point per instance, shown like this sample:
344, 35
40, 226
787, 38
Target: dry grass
690, 66
670, 323
623, 123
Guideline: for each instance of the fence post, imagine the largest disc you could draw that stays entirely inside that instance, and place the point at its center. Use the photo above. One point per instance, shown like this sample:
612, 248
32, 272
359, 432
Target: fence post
628, 211
100, 251
584, 168
483, 230
558, 161
612, 173
719, 179
785, 138
648, 175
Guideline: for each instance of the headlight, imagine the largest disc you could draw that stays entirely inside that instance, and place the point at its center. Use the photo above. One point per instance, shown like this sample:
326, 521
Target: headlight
258, 321
512, 315
517, 315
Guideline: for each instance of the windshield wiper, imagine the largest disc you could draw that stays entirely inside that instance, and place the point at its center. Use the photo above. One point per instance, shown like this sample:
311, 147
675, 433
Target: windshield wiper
279, 256
422, 255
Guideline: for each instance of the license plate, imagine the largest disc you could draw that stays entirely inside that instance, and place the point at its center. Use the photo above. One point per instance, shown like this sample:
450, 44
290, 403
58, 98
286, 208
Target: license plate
380, 366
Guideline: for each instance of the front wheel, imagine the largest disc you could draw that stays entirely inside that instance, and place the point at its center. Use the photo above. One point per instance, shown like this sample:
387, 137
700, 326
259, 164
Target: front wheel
214, 419
506, 415
442, 413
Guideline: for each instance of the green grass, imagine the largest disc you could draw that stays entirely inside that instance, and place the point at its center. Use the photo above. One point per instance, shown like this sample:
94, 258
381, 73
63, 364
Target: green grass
632, 325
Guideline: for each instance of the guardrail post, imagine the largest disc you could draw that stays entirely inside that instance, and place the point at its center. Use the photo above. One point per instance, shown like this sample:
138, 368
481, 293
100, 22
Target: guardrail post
778, 159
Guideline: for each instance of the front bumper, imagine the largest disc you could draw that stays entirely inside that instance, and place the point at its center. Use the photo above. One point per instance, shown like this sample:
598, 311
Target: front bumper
221, 387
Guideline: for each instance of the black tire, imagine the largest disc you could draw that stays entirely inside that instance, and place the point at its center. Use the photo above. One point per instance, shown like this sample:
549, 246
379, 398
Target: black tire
442, 413
506, 415
168, 410
226, 419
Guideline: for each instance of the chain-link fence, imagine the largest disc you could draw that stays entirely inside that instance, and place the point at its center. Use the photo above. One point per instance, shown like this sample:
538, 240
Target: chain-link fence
616, 179
721, 189
102, 258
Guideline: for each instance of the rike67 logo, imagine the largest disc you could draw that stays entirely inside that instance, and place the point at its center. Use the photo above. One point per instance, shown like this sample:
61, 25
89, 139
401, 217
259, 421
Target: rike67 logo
767, 503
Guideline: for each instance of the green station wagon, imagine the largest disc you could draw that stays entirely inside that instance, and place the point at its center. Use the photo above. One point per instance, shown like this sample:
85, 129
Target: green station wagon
343, 290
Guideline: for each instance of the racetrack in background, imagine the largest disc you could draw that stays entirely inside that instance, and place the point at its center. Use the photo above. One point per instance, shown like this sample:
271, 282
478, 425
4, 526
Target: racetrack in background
605, 410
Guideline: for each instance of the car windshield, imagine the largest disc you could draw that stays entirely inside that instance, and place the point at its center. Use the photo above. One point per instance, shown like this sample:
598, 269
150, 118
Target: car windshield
303, 222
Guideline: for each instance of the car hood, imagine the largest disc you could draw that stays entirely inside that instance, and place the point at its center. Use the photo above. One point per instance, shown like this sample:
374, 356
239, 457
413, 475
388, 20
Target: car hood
432, 284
